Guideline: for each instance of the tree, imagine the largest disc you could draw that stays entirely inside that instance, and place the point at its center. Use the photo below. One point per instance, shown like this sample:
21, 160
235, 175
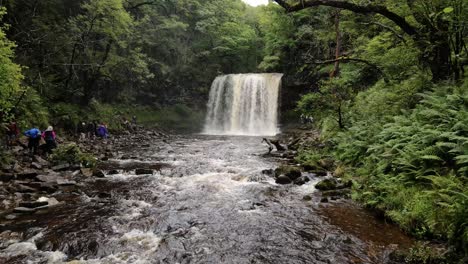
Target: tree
10, 74
438, 35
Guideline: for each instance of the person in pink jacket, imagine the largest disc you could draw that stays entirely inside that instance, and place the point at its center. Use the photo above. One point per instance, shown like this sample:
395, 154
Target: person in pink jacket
50, 138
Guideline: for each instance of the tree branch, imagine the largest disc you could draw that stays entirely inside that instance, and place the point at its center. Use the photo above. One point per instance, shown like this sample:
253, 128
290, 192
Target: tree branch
347, 59
362, 9
398, 35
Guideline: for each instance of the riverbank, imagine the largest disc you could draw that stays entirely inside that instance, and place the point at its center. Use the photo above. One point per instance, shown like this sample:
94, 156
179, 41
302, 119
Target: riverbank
29, 184
312, 154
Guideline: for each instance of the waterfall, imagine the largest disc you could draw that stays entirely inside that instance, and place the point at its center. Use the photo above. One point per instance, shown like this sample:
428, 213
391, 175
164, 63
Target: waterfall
244, 104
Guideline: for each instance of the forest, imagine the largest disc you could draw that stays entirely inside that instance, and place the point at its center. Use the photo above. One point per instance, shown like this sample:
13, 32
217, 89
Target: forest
385, 82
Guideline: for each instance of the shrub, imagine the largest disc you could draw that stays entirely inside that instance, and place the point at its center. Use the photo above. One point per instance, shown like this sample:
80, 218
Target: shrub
72, 154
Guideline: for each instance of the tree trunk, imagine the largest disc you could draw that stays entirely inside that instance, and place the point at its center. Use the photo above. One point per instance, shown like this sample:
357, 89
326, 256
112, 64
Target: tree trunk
336, 69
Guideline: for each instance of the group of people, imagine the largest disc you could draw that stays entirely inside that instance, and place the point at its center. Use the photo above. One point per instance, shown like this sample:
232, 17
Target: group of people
91, 130
35, 135
85, 130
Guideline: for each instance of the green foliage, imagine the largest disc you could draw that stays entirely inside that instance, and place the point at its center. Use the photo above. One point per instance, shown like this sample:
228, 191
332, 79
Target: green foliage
10, 72
414, 167
72, 154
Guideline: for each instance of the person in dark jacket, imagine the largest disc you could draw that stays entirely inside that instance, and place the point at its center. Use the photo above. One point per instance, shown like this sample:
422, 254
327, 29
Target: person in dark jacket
34, 136
50, 138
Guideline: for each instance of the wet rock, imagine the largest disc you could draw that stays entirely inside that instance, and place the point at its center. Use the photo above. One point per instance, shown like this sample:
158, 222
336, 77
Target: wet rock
64, 182
326, 185
36, 166
33, 204
143, 171
41, 161
27, 175
307, 198
104, 195
290, 171
99, 174
6, 177
269, 172
61, 167
48, 187
11, 217
24, 189
113, 172
24, 210
301, 180
49, 201
324, 200
283, 179
51, 178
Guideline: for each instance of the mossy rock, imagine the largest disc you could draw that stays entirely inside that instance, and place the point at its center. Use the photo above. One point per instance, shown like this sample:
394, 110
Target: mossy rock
291, 172
326, 185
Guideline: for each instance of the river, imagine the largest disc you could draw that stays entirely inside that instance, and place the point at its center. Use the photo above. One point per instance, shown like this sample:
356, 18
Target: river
210, 203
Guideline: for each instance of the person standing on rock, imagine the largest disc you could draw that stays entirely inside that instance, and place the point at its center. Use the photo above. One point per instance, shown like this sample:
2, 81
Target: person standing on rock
90, 130
102, 131
134, 122
34, 136
50, 138
12, 134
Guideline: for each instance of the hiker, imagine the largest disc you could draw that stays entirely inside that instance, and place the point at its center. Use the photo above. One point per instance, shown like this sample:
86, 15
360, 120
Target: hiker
81, 130
34, 136
90, 130
49, 136
12, 134
134, 123
102, 131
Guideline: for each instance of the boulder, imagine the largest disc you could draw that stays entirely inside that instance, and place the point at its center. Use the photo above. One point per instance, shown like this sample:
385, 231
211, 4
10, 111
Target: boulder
99, 174
143, 171
283, 179
113, 172
324, 200
269, 172
301, 180
290, 171
307, 198
326, 185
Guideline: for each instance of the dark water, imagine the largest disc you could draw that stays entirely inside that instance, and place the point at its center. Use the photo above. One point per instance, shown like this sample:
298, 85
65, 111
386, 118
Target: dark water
210, 204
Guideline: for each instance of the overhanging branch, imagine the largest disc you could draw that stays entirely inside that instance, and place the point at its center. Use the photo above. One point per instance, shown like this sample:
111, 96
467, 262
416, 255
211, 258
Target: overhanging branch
362, 9
347, 59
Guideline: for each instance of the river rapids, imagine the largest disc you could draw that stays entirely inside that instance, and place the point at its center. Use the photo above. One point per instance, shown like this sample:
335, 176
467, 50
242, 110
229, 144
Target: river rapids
210, 204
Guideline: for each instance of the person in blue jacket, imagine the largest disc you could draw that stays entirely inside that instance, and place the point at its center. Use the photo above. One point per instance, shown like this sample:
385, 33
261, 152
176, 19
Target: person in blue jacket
34, 136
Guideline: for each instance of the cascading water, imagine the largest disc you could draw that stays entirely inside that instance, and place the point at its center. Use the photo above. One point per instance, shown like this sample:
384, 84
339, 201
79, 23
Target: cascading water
244, 104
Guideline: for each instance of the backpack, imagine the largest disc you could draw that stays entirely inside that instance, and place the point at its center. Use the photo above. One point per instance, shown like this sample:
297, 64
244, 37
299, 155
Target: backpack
48, 136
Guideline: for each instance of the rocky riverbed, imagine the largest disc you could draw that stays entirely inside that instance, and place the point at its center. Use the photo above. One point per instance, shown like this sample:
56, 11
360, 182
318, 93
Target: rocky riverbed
185, 199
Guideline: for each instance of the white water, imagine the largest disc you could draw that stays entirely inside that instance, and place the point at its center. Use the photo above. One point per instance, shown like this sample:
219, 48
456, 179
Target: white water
244, 104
